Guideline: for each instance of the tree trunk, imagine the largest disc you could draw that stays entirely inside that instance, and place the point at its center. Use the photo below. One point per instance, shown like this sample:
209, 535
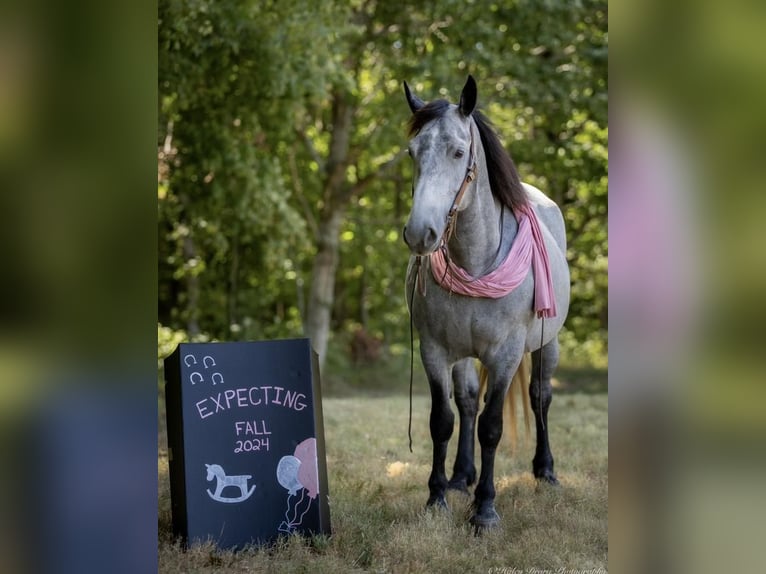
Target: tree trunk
323, 284
336, 196
192, 290
338, 192
363, 313
232, 295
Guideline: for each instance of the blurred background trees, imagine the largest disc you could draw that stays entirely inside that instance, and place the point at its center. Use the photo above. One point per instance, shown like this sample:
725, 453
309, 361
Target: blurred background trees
283, 184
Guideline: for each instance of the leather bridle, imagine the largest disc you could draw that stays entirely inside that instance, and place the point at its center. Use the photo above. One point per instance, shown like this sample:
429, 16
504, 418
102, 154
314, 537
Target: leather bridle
470, 175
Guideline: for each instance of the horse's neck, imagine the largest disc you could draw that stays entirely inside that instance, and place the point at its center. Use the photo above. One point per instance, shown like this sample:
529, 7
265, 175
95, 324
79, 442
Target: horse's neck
476, 244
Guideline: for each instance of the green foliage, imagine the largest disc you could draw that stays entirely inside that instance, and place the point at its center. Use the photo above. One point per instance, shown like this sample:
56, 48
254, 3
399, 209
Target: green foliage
228, 233
167, 341
248, 93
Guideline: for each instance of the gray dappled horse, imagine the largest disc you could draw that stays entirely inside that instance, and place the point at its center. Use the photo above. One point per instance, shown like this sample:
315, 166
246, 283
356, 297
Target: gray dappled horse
466, 198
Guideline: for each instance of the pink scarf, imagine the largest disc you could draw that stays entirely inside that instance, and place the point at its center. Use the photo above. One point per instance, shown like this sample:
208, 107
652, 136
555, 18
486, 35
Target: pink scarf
528, 247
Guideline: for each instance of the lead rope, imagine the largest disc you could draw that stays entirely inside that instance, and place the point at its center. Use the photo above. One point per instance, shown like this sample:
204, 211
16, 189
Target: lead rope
540, 390
412, 343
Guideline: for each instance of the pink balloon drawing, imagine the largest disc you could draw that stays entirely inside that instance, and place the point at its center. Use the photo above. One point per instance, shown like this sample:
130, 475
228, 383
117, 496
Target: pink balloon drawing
308, 472
298, 472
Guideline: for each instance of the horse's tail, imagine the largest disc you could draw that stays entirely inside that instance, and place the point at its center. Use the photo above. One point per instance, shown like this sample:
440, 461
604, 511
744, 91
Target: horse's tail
519, 385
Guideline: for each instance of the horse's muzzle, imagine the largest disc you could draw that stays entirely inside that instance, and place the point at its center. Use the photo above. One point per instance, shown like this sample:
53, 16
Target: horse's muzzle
421, 243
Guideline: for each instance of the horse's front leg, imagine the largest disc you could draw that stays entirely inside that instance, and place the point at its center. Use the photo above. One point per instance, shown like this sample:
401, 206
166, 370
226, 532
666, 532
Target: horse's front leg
490, 431
467, 399
441, 423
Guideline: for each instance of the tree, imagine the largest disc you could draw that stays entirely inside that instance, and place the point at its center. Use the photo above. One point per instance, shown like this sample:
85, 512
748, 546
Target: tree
282, 188
232, 77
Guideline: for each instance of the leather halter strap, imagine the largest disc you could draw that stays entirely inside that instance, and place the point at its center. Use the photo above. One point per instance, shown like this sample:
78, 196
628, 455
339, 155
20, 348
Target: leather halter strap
470, 175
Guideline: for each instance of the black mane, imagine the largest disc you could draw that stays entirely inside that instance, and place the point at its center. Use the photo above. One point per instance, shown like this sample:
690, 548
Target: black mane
504, 180
503, 177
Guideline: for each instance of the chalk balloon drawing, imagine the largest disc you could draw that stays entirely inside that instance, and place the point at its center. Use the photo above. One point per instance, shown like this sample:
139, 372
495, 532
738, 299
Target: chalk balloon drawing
298, 472
308, 473
287, 474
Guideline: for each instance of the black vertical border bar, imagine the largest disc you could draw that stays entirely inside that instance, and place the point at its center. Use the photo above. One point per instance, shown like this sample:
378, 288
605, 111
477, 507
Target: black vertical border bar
324, 488
176, 447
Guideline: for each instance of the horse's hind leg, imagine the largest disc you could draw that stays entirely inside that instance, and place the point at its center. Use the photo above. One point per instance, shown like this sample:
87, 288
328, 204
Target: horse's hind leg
541, 394
466, 397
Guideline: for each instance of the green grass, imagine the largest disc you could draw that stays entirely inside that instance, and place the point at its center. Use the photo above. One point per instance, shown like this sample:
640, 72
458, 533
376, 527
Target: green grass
378, 490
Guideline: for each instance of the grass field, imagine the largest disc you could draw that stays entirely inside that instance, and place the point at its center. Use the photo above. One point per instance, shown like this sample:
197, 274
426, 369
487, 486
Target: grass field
378, 490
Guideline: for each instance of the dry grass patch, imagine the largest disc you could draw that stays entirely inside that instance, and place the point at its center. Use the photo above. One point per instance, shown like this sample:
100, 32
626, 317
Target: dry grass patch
378, 489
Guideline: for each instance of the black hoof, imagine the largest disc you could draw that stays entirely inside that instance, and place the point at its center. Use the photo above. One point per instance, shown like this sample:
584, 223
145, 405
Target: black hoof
547, 477
479, 531
484, 520
438, 502
460, 485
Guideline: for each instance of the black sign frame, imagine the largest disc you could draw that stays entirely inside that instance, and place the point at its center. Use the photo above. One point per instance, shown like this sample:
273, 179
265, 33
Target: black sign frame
246, 442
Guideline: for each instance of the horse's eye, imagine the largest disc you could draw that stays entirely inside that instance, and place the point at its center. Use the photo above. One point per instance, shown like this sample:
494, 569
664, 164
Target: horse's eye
459, 154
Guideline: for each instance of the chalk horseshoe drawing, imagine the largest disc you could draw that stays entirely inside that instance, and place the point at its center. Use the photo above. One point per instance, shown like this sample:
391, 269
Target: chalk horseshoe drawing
220, 378
192, 357
216, 471
200, 378
212, 361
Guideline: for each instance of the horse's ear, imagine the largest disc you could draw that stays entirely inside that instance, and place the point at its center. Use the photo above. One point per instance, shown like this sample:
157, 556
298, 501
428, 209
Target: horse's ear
415, 102
468, 97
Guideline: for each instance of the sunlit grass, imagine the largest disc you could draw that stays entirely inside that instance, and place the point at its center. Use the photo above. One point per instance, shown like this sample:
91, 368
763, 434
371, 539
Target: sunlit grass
378, 490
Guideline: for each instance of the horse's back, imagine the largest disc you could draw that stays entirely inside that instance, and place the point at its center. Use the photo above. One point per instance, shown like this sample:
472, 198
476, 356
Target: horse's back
549, 214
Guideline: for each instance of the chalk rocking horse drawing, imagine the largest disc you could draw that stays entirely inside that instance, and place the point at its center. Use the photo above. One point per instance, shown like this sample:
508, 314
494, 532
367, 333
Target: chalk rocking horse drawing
474, 233
215, 471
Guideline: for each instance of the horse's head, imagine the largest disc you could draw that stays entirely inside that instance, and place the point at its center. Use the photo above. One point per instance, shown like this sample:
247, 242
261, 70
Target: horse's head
442, 149
211, 470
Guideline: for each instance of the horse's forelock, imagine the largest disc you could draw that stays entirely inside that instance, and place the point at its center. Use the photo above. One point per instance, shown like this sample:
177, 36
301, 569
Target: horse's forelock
426, 114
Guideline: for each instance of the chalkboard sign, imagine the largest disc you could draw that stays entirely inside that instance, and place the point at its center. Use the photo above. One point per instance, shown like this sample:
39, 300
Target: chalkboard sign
246, 442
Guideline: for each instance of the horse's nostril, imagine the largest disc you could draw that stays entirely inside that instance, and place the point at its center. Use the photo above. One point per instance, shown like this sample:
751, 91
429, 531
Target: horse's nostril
419, 238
